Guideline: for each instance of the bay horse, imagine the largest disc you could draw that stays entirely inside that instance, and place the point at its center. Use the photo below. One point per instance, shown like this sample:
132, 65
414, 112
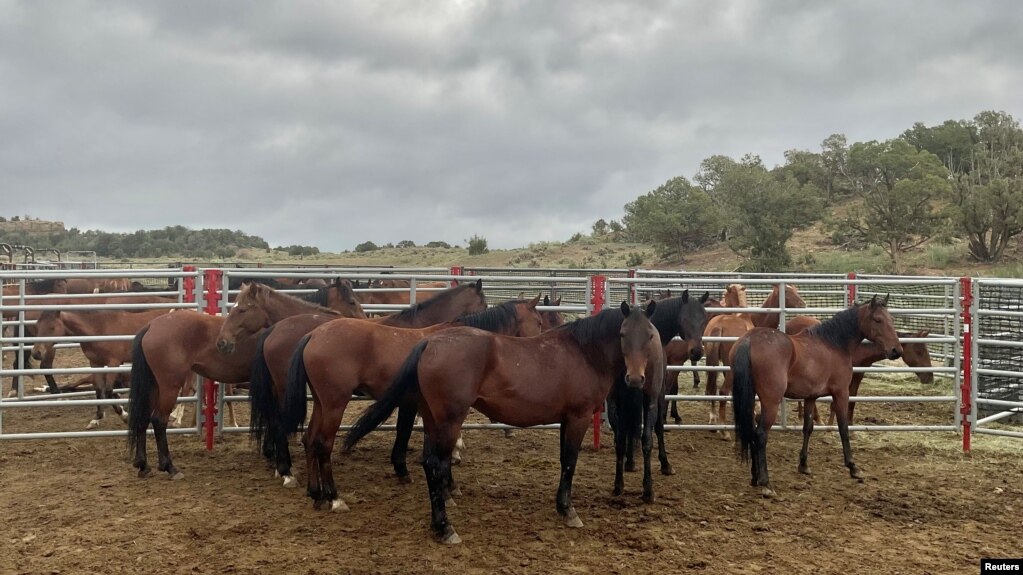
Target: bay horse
343, 357
172, 347
551, 319
99, 353
400, 297
915, 354
561, 376
808, 365
274, 350
725, 325
677, 350
773, 319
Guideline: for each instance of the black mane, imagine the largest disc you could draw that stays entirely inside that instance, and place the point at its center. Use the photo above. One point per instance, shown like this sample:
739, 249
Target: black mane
500, 318
42, 286
841, 330
318, 297
595, 329
665, 318
308, 299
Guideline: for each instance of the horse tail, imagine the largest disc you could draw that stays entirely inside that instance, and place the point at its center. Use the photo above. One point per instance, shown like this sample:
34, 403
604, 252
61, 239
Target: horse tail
293, 415
141, 398
405, 382
263, 408
743, 397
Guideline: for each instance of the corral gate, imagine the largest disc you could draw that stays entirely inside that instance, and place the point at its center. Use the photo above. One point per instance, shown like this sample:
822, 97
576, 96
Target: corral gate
989, 378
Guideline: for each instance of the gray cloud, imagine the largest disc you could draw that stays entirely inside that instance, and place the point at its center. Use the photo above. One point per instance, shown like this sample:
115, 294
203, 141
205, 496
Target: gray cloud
333, 124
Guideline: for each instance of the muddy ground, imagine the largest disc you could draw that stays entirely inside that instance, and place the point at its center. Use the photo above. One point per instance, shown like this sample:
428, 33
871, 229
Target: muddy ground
76, 506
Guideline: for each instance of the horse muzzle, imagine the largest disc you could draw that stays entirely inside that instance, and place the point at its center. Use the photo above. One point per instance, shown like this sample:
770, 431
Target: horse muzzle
635, 381
37, 355
894, 353
225, 347
696, 353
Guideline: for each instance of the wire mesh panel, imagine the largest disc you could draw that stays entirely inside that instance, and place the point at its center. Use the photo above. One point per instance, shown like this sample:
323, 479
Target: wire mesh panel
999, 325
923, 296
572, 293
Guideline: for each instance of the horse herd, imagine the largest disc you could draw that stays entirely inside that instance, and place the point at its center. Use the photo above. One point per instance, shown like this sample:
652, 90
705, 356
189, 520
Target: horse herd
450, 353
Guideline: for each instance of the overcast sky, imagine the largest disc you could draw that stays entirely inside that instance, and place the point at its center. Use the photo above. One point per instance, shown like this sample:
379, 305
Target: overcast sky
329, 124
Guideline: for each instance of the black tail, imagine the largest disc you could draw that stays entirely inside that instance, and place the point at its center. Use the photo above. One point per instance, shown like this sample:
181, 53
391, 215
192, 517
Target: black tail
406, 381
743, 397
263, 408
293, 415
142, 398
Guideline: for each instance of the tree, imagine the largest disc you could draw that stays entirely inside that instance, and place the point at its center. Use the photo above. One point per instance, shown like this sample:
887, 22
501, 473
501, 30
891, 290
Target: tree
952, 142
406, 244
990, 189
764, 208
444, 245
900, 187
674, 218
600, 228
477, 245
366, 247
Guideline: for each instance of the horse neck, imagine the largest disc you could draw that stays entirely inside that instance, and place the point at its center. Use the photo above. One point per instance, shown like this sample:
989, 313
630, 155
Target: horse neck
866, 353
665, 318
75, 324
430, 312
280, 307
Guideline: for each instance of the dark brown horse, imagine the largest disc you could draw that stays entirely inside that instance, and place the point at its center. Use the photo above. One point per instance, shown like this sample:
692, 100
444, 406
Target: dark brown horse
677, 353
725, 325
812, 364
772, 319
99, 353
275, 349
171, 348
342, 357
562, 376
915, 354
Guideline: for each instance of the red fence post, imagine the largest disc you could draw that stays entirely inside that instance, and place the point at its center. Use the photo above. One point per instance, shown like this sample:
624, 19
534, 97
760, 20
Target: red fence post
188, 285
852, 288
211, 283
598, 295
455, 271
633, 296
966, 386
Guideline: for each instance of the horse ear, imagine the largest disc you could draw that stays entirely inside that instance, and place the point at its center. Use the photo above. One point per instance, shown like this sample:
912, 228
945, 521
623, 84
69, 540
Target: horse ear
922, 333
706, 296
626, 309
533, 302
546, 300
557, 302
522, 295
479, 285
651, 306
884, 302
873, 301
685, 296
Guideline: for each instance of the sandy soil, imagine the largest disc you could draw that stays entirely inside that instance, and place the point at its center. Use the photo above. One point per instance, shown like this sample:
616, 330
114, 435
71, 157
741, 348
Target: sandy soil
75, 506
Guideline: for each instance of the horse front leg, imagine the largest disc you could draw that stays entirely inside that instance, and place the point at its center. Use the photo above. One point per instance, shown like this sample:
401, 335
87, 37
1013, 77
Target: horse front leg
406, 421
841, 403
437, 448
572, 432
662, 450
621, 438
671, 377
768, 415
809, 415
98, 381
650, 412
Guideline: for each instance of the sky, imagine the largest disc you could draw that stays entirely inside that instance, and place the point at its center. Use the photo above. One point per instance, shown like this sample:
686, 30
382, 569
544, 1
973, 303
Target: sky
333, 123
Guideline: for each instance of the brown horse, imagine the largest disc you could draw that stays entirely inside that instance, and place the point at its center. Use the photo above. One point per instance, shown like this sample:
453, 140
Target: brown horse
725, 325
99, 353
166, 352
811, 364
772, 320
277, 345
551, 319
562, 376
915, 354
677, 351
400, 297
342, 357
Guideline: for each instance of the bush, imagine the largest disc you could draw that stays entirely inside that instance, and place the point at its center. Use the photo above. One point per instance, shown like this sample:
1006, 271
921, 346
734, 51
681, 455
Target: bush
634, 259
366, 247
444, 245
406, 244
477, 245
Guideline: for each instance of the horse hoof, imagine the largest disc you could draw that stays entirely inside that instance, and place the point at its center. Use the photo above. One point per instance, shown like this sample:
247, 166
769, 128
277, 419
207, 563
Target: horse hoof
768, 493
93, 424
178, 476
648, 498
630, 467
277, 474
572, 519
145, 472
124, 416
855, 473
406, 479
449, 502
456, 492
667, 470
290, 481
450, 537
338, 506
616, 491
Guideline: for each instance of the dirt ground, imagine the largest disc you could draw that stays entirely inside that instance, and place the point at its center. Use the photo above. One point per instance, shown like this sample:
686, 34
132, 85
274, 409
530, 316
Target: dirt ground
76, 506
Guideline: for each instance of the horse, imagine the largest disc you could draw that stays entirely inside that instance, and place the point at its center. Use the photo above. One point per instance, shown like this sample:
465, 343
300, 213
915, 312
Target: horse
677, 353
772, 319
342, 357
808, 365
167, 351
10, 293
678, 316
454, 370
274, 350
915, 354
551, 319
400, 297
46, 361
725, 325
99, 353
98, 285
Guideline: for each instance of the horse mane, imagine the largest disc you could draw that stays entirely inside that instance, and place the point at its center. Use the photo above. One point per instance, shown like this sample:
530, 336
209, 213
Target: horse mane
840, 330
594, 329
665, 317
443, 297
495, 319
46, 285
319, 304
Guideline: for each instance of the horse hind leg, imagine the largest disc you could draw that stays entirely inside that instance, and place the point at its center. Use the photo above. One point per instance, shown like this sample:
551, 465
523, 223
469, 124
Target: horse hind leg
437, 449
841, 403
809, 415
324, 446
